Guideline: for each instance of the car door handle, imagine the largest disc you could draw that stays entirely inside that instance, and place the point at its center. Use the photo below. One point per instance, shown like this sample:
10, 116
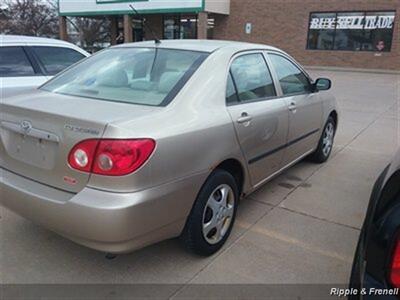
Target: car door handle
245, 118
293, 107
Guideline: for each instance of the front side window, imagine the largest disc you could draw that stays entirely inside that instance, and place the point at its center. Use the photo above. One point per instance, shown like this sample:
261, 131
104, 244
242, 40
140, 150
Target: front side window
145, 76
14, 63
291, 78
56, 59
351, 31
252, 77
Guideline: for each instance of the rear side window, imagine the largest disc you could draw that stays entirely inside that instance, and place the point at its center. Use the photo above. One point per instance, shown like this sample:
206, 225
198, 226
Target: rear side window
14, 62
252, 77
56, 59
291, 78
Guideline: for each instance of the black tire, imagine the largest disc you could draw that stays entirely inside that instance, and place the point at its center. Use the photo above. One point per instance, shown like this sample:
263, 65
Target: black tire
192, 236
319, 156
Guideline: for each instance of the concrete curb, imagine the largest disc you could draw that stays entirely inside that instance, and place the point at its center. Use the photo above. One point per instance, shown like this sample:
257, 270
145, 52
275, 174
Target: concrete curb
340, 69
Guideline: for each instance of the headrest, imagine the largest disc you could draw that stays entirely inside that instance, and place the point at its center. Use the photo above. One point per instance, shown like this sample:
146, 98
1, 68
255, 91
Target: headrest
142, 85
114, 78
141, 69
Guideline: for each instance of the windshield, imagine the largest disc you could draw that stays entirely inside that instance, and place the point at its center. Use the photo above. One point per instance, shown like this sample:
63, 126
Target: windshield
145, 76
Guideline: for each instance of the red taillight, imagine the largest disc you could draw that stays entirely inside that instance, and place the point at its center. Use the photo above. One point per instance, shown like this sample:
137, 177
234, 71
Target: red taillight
82, 155
110, 157
394, 272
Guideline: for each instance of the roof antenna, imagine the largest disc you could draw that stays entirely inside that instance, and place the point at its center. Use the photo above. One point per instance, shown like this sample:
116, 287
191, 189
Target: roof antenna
156, 40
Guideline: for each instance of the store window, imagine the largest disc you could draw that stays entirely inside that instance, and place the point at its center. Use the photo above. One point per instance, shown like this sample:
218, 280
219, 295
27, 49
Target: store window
321, 36
171, 27
180, 27
210, 28
349, 37
188, 28
351, 31
138, 32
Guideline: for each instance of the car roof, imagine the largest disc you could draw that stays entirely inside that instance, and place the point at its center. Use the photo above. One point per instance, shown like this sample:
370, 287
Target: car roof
33, 40
199, 45
29, 39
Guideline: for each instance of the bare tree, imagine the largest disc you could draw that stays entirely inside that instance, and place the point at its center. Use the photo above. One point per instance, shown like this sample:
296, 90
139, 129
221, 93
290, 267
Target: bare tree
3, 17
92, 31
40, 18
29, 17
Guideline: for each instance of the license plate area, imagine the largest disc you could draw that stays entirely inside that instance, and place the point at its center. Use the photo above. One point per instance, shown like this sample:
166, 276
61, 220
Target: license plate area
31, 150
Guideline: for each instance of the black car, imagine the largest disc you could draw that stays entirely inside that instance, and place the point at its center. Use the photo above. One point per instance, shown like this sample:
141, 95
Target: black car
376, 268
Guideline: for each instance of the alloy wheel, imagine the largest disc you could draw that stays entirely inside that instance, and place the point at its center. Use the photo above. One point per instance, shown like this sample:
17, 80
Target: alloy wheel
327, 141
218, 214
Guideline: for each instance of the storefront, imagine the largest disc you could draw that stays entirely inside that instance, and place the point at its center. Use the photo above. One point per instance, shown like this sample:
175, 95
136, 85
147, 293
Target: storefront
178, 19
357, 34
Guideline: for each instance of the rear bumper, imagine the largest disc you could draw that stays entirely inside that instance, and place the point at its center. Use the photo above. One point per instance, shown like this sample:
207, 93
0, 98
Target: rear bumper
105, 221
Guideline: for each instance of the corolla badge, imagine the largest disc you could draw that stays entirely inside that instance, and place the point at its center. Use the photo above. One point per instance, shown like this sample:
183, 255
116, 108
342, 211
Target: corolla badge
78, 129
26, 126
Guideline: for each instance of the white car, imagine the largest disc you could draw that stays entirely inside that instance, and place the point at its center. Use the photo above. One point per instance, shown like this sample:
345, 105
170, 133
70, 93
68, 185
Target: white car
27, 62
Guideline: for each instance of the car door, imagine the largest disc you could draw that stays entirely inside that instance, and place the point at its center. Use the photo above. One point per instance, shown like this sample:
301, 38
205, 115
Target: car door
17, 73
259, 116
305, 107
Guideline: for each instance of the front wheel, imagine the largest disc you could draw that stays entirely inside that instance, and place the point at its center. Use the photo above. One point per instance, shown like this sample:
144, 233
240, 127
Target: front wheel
325, 144
213, 214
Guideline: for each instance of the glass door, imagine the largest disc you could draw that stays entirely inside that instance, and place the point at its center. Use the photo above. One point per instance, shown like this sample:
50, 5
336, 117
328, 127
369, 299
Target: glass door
180, 27
171, 27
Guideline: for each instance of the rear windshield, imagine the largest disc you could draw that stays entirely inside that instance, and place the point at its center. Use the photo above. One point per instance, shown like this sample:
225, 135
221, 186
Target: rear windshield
147, 76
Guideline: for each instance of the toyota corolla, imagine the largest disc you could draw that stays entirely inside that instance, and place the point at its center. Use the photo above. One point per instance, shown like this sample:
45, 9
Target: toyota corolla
149, 141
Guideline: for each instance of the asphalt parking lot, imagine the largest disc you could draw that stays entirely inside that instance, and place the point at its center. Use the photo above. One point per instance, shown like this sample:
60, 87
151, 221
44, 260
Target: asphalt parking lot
300, 228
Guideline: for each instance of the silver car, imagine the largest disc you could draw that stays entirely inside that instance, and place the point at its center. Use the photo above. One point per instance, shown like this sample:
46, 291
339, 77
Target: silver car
149, 141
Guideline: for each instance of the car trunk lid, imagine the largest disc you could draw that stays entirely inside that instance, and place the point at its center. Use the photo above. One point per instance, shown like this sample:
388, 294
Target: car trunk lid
38, 130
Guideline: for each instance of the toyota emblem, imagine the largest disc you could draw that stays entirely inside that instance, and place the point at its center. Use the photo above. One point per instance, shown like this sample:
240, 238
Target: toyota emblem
26, 126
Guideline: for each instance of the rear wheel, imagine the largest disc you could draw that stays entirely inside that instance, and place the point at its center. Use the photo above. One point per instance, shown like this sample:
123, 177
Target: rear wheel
325, 144
213, 214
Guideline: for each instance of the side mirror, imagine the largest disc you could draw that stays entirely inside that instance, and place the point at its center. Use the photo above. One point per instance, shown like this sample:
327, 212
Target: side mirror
322, 84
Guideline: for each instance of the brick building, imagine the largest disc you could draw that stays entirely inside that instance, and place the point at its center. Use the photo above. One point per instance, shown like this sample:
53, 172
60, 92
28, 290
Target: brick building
335, 33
